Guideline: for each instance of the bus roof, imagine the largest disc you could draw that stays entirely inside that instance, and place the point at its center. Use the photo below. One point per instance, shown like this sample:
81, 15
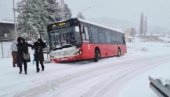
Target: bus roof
96, 24
92, 23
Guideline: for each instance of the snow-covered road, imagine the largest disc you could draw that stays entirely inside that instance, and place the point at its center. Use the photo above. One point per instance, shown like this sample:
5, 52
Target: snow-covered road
107, 78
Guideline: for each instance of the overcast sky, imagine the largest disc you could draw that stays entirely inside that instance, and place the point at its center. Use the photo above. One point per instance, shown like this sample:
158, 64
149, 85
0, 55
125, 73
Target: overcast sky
157, 11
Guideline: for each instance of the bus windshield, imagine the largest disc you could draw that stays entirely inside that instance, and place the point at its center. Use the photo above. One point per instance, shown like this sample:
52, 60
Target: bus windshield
65, 37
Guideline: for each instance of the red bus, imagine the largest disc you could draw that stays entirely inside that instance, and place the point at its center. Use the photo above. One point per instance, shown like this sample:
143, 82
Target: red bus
76, 39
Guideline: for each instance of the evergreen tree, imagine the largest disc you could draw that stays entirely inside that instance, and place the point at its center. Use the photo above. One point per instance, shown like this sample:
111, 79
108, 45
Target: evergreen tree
24, 18
53, 11
145, 26
80, 15
35, 15
141, 25
66, 12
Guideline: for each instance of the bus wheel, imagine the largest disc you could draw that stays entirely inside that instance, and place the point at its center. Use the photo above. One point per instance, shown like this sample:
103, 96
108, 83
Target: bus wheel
97, 55
119, 52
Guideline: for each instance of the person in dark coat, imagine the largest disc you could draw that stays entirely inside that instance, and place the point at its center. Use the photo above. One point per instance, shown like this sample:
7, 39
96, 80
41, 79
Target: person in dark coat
22, 47
38, 54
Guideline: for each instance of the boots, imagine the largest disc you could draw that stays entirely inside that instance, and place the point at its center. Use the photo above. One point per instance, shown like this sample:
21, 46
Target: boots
42, 68
20, 72
38, 70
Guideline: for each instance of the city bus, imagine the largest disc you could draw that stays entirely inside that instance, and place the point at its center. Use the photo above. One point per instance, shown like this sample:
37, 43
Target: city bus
77, 39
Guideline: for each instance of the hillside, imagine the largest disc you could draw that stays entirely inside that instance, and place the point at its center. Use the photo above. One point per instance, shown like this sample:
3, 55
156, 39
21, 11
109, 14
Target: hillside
124, 24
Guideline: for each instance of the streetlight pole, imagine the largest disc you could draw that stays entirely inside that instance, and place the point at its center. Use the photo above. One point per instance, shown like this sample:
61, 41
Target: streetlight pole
15, 26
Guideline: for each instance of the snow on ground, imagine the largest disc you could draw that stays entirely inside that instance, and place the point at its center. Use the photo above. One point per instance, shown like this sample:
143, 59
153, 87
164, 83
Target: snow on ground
166, 39
125, 76
5, 49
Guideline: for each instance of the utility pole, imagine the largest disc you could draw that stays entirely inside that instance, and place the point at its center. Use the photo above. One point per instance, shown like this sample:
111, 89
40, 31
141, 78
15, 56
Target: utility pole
15, 31
2, 51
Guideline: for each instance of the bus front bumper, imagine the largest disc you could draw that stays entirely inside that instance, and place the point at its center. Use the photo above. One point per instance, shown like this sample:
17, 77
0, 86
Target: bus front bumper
67, 59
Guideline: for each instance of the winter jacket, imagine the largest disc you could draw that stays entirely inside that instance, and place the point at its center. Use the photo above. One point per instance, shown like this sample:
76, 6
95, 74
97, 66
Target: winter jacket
38, 54
22, 47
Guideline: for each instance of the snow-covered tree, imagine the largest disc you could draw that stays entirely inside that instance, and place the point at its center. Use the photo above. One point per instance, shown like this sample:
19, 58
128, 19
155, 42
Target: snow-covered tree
24, 18
35, 15
53, 10
80, 15
66, 12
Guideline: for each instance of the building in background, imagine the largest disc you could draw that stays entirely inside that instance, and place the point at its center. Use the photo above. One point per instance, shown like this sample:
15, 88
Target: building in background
130, 34
7, 32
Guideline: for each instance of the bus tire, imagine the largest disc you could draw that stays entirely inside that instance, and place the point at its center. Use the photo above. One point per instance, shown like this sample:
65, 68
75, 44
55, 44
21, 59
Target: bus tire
119, 53
97, 55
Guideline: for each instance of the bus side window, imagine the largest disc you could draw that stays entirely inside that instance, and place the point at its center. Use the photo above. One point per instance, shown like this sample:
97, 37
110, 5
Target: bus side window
108, 37
94, 35
85, 34
76, 34
112, 37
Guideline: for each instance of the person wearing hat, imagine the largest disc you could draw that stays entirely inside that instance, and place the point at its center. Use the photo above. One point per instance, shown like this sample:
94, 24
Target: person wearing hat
38, 46
23, 55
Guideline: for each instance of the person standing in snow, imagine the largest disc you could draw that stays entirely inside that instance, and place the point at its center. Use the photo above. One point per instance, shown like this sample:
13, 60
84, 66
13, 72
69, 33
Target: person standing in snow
39, 45
14, 52
23, 54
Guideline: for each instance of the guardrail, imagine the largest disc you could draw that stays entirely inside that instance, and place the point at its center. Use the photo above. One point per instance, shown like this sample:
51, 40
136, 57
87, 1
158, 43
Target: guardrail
160, 89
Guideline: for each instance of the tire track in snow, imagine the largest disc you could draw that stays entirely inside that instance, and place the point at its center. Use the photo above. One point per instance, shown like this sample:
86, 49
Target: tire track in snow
118, 82
93, 89
96, 74
51, 85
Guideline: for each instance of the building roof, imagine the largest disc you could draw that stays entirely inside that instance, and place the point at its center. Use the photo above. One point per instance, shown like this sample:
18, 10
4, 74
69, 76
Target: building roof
6, 22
